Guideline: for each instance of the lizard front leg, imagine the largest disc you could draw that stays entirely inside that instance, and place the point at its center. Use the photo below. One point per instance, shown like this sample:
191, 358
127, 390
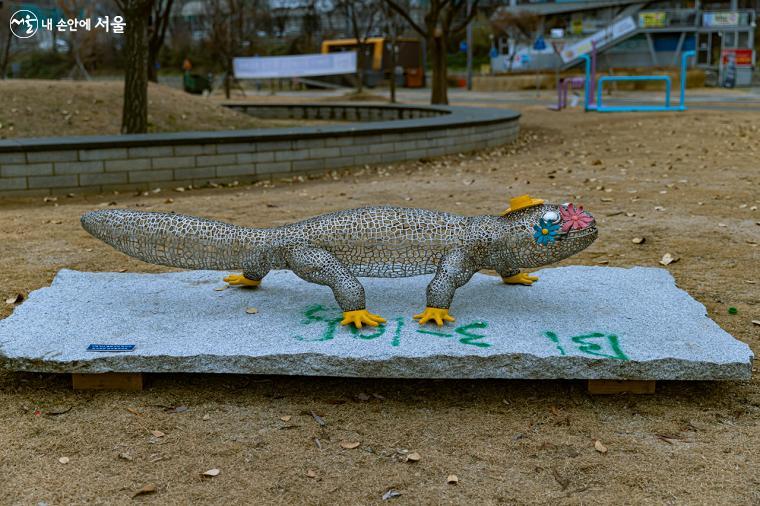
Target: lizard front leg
456, 269
319, 266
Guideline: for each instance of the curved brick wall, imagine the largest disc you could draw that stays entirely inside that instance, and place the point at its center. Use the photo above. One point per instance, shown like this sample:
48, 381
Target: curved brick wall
380, 134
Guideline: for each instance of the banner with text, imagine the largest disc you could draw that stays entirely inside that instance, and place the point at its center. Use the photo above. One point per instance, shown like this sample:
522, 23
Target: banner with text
612, 32
266, 67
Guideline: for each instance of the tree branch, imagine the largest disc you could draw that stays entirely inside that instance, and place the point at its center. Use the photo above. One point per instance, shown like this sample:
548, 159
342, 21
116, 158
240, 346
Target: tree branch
461, 26
396, 7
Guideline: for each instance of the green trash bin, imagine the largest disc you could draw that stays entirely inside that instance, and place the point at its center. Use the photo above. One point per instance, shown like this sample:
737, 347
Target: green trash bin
196, 83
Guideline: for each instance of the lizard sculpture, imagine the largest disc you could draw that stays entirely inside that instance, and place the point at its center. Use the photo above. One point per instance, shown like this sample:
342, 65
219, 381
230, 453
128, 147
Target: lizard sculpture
334, 249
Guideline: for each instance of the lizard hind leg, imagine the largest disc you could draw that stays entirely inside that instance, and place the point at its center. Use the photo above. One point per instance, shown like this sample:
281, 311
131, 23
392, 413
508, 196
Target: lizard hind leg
518, 278
242, 280
254, 269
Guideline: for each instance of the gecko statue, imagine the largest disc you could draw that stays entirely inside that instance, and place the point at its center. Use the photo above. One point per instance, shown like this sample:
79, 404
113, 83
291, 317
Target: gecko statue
335, 248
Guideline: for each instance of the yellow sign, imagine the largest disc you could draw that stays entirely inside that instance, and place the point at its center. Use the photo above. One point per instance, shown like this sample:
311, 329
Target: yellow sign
653, 19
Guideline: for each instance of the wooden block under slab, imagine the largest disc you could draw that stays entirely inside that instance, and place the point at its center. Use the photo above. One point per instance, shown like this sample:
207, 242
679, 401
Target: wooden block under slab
607, 387
130, 381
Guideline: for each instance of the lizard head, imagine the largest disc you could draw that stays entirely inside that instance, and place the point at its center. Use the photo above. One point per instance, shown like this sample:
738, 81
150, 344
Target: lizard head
548, 233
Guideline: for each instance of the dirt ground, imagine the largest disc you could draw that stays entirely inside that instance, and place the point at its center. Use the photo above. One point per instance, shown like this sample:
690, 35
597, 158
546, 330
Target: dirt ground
42, 108
687, 183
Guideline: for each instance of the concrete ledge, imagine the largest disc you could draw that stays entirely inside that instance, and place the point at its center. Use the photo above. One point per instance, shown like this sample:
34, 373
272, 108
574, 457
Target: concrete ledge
405, 132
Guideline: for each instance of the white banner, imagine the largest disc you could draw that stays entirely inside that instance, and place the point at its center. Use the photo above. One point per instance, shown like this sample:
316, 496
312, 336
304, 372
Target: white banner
263, 67
612, 32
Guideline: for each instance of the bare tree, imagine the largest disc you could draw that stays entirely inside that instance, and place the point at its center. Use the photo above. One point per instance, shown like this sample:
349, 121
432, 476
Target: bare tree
157, 34
134, 118
394, 26
6, 38
439, 29
231, 23
81, 43
362, 16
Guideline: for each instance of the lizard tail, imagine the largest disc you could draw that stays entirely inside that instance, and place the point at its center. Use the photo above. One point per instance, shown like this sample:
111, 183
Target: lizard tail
173, 239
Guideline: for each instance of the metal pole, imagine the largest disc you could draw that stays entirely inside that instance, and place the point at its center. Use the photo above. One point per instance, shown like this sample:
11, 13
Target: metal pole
469, 47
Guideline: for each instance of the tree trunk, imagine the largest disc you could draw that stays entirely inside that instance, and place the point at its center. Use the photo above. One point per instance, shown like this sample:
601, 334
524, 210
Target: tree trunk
6, 54
228, 79
393, 68
359, 67
440, 75
152, 60
135, 113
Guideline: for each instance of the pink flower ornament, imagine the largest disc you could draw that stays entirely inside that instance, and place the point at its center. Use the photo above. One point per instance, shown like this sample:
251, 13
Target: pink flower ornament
574, 219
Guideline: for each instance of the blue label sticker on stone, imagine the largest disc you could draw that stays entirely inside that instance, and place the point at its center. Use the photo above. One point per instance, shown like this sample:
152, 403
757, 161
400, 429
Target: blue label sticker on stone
111, 347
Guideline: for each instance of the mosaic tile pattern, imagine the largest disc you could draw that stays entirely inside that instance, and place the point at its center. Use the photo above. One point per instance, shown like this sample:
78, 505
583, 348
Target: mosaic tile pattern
334, 249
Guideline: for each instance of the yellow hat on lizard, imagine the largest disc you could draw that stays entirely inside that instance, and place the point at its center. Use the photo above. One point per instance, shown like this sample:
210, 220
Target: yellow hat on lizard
521, 202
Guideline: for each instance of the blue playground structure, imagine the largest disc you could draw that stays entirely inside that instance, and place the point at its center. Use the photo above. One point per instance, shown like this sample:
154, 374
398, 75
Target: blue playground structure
591, 85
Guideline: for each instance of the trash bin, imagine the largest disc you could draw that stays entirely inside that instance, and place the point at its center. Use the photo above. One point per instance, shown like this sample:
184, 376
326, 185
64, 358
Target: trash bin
195, 83
414, 77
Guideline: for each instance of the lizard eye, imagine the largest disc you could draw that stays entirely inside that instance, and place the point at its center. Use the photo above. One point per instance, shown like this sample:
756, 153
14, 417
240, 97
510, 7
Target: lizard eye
551, 217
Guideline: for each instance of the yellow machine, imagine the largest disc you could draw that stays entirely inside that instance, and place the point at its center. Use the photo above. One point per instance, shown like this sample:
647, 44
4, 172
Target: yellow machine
378, 59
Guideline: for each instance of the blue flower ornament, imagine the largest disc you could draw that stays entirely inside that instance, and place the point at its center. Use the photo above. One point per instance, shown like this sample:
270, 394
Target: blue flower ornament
544, 233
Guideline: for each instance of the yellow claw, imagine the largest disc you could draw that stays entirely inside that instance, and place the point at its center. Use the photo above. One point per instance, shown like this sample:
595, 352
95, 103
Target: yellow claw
361, 316
239, 279
436, 314
522, 278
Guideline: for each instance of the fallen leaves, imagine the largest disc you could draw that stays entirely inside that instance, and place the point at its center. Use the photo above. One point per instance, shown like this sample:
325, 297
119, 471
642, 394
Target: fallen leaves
413, 457
349, 445
668, 259
211, 473
321, 421
15, 299
157, 433
148, 488
390, 494
599, 446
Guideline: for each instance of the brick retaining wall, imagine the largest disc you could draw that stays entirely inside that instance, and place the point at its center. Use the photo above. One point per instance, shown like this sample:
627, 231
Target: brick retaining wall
386, 133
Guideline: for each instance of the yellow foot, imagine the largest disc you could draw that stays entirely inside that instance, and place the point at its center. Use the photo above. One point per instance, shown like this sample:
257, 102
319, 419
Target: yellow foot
436, 314
520, 279
239, 279
361, 316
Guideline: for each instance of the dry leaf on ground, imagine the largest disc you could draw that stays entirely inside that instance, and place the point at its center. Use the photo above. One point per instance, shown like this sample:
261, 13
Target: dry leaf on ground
148, 488
15, 299
212, 472
349, 445
157, 433
390, 494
